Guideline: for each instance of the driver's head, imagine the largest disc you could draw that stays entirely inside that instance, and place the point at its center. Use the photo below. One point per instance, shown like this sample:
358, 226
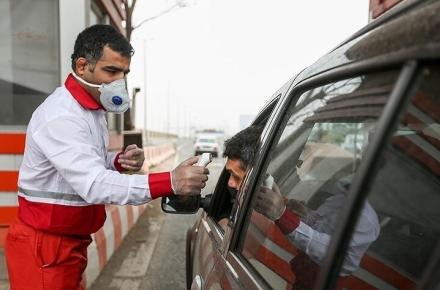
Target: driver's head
239, 151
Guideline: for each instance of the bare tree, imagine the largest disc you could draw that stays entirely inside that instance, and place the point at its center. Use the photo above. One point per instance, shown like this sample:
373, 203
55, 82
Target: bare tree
129, 7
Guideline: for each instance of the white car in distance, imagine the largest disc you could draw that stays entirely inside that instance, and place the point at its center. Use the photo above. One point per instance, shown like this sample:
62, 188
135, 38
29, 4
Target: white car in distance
207, 144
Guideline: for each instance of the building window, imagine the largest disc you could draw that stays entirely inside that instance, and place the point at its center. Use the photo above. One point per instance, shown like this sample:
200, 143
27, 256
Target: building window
30, 65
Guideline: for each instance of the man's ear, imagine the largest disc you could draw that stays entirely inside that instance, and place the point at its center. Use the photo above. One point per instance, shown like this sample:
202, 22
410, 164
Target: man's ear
80, 66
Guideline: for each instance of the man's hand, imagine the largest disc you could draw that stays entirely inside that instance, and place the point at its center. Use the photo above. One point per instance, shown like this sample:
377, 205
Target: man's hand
132, 159
188, 179
270, 203
298, 207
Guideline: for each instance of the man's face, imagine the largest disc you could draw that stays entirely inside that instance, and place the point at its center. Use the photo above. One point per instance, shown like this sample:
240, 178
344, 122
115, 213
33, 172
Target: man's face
110, 67
237, 174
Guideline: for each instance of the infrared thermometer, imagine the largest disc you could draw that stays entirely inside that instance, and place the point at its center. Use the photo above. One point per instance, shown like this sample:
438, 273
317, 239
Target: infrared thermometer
268, 182
204, 159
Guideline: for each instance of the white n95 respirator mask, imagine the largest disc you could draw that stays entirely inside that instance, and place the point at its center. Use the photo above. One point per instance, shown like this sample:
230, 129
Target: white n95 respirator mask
114, 96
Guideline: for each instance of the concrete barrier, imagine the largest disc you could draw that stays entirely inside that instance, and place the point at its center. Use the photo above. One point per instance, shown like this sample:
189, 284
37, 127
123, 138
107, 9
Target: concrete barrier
156, 154
105, 242
120, 219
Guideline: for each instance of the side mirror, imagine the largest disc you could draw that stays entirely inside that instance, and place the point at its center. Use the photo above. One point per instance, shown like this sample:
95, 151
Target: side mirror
181, 204
185, 204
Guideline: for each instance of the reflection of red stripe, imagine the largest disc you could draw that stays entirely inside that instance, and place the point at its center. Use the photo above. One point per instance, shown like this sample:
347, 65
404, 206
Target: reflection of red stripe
271, 231
386, 273
353, 282
415, 124
428, 105
417, 153
278, 238
9, 180
12, 143
259, 252
276, 264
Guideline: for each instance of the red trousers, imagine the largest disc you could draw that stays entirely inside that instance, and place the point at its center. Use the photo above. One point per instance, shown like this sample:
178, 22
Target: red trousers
42, 261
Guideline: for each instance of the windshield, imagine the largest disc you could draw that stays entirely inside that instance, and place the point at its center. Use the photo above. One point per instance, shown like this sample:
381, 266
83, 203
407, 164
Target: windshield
206, 141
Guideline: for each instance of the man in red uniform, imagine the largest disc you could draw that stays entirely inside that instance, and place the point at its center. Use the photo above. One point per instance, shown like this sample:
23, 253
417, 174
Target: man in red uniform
67, 176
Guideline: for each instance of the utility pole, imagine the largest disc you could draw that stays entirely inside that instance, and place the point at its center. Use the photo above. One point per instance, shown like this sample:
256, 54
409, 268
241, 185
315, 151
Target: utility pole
145, 92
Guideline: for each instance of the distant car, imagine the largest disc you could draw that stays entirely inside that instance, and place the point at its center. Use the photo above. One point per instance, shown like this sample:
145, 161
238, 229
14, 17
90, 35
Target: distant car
355, 138
207, 144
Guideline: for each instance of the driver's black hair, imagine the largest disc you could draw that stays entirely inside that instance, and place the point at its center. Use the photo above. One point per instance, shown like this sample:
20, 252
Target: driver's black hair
91, 41
243, 145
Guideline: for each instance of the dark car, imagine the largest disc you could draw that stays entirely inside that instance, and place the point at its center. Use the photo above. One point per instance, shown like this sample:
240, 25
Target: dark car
355, 139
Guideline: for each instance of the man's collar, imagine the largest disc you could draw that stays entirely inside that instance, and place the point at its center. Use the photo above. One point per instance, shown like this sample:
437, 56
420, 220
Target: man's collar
83, 97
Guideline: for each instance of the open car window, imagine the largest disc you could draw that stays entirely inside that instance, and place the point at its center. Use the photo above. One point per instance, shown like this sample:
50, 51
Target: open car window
224, 198
309, 171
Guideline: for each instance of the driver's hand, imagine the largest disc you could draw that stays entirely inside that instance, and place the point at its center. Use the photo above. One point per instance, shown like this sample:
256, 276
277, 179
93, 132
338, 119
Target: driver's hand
187, 179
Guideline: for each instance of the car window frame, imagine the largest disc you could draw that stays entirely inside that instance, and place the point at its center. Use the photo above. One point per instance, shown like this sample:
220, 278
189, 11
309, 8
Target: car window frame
218, 234
274, 133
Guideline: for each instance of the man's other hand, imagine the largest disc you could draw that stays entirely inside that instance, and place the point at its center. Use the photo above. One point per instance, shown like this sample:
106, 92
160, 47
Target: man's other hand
133, 158
270, 203
298, 207
188, 179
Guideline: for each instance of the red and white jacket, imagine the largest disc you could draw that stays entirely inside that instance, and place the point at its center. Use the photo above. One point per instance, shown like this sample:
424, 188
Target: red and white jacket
67, 175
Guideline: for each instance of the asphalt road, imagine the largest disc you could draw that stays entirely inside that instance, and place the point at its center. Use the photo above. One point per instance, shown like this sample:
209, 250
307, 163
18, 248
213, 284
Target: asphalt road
152, 256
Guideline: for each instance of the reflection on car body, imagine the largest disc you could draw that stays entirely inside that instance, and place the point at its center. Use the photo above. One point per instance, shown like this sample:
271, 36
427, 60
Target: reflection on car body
361, 126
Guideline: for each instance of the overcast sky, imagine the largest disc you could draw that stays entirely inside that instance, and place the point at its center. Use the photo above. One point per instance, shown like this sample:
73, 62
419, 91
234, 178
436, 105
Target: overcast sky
210, 62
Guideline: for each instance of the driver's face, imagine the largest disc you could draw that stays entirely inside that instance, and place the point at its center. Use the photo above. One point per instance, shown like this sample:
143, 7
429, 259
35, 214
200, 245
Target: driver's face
237, 174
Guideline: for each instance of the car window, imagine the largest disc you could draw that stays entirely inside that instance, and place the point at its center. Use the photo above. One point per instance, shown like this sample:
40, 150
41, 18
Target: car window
224, 199
319, 149
405, 195
206, 140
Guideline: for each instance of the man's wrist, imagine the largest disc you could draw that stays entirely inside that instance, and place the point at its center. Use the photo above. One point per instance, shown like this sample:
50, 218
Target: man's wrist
160, 184
288, 221
116, 163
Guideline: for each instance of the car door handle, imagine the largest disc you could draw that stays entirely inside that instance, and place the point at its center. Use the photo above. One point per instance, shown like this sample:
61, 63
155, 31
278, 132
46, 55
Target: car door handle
197, 283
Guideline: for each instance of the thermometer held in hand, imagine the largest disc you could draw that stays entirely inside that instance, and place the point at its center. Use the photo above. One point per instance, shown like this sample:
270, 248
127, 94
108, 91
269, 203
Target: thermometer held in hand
204, 159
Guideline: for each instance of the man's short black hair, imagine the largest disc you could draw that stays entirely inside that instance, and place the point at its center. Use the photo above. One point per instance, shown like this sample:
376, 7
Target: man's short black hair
243, 145
91, 41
